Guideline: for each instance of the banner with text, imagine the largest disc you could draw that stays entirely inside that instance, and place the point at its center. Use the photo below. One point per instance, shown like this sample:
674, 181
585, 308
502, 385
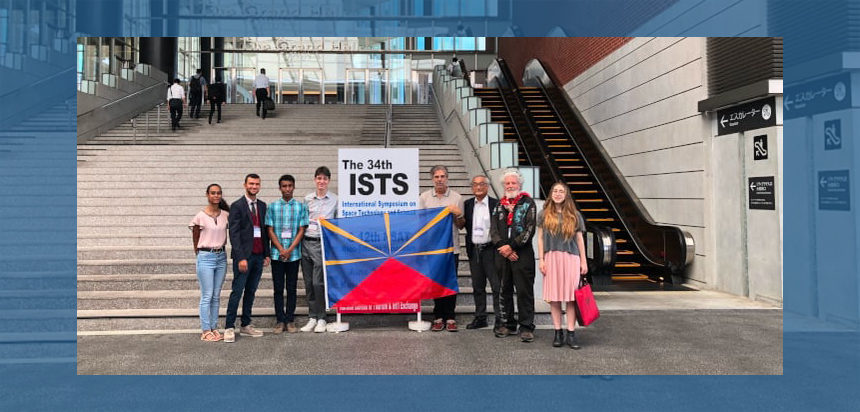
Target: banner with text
372, 181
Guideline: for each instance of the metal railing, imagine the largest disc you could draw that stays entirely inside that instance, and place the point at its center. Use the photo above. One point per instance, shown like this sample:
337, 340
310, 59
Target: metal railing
475, 153
389, 120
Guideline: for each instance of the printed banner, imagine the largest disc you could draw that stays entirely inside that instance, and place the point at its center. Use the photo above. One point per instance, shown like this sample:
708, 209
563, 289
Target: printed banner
389, 258
372, 181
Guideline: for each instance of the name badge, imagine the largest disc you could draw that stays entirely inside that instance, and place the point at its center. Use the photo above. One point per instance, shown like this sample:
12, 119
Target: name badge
314, 224
257, 231
287, 233
479, 231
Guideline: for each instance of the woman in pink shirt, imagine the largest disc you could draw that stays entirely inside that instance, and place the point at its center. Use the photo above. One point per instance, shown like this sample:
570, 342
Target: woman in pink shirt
209, 231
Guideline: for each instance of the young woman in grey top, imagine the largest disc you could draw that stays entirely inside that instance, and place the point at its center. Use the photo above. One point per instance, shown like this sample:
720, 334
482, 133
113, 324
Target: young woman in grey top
561, 251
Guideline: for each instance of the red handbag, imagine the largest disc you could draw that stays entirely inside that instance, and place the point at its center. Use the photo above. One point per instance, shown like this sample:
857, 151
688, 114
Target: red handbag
586, 306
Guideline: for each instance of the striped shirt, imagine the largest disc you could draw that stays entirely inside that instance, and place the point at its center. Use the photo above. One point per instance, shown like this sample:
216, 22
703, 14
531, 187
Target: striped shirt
286, 218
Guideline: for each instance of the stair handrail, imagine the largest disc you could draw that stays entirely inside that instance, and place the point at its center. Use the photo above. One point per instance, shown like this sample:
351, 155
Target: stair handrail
111, 103
465, 134
674, 248
31, 86
389, 118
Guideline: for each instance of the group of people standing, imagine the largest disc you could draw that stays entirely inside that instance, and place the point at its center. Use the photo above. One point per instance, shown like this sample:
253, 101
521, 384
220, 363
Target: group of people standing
199, 90
285, 234
499, 245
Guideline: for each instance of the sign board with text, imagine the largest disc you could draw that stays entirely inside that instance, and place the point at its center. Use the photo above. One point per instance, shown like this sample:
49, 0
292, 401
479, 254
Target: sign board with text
747, 116
372, 181
834, 190
762, 193
377, 180
820, 96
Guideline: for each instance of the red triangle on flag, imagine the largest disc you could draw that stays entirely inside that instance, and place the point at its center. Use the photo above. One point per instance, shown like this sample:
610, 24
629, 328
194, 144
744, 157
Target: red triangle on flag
393, 281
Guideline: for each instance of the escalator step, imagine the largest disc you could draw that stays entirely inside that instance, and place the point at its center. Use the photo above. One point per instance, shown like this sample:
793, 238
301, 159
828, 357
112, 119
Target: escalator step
601, 219
593, 210
583, 191
589, 200
627, 265
625, 252
580, 183
620, 240
576, 174
628, 278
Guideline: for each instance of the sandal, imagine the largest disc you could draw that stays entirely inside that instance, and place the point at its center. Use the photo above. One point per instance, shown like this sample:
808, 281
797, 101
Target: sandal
218, 335
208, 336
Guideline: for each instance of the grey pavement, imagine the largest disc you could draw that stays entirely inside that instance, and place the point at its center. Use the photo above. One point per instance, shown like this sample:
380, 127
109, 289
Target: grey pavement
621, 342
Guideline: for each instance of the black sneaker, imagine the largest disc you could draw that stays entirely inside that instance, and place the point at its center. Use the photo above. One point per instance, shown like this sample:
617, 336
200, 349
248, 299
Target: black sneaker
477, 323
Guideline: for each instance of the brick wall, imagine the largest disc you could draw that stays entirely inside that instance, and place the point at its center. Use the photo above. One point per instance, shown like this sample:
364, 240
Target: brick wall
563, 57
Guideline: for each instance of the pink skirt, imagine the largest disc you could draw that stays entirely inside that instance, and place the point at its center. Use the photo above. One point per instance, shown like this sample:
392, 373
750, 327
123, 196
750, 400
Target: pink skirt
562, 276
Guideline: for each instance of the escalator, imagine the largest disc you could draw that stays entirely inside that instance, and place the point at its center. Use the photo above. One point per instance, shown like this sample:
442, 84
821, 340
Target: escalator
556, 139
491, 99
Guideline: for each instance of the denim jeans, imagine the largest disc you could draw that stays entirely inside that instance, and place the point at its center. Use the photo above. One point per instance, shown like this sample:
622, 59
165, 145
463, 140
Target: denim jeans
244, 283
211, 270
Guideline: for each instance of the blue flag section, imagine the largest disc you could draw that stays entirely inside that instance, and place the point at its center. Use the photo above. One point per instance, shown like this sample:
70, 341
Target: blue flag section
391, 257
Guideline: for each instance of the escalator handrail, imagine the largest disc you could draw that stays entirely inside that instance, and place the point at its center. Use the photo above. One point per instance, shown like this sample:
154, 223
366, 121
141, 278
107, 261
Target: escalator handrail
516, 127
620, 191
546, 159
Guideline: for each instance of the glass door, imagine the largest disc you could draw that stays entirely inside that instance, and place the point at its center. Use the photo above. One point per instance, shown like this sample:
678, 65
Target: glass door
356, 86
422, 81
312, 87
288, 86
377, 86
240, 88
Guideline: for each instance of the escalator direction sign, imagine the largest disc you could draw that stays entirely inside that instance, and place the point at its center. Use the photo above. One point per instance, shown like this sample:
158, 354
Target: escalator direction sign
762, 193
819, 96
748, 116
834, 190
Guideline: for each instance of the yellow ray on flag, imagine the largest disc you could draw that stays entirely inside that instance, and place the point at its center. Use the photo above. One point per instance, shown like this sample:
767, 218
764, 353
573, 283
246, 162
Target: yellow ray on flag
388, 232
345, 262
430, 252
435, 220
349, 236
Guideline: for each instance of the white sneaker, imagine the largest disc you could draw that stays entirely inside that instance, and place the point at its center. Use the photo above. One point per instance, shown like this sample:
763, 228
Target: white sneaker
320, 326
309, 327
229, 335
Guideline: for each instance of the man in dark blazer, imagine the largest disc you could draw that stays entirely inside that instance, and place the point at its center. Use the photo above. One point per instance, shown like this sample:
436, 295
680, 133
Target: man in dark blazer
479, 247
250, 253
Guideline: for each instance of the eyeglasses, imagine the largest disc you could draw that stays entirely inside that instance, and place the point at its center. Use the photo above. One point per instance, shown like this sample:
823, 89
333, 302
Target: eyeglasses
482, 184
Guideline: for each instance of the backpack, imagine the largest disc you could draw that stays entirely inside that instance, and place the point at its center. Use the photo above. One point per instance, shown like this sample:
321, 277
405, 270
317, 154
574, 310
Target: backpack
195, 84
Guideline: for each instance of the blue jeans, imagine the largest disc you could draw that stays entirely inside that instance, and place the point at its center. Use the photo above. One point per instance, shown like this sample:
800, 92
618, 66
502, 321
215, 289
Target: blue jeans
246, 283
211, 270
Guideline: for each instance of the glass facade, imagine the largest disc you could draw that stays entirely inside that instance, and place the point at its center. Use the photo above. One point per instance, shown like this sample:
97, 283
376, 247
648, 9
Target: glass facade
328, 70
100, 56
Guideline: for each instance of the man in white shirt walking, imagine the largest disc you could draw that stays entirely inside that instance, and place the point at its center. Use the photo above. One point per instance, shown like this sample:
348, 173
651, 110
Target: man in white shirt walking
175, 101
261, 91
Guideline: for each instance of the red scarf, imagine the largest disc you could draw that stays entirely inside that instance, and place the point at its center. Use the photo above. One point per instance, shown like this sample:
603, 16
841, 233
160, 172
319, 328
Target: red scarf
508, 202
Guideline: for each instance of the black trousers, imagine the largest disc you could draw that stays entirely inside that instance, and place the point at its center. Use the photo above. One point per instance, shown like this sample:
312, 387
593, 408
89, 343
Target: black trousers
483, 268
212, 106
175, 112
262, 96
519, 275
444, 308
285, 274
195, 99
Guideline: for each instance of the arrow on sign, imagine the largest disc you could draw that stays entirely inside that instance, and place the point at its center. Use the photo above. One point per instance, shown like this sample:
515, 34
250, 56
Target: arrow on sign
785, 104
823, 182
723, 121
752, 186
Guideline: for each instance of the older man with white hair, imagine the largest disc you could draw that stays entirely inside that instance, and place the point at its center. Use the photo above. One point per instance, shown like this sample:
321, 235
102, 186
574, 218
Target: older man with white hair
512, 227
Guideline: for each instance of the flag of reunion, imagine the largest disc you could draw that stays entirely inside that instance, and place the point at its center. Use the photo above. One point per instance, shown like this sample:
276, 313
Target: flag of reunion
391, 257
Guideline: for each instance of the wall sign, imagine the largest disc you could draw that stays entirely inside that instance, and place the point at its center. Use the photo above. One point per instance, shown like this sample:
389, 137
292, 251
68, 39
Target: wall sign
833, 134
747, 116
760, 147
834, 190
761, 193
819, 96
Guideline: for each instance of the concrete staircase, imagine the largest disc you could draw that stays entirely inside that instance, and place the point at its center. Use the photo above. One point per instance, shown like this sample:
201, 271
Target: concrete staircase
287, 124
136, 267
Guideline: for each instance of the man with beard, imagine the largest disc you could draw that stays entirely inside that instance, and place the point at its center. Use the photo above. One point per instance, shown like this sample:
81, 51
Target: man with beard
512, 227
250, 252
